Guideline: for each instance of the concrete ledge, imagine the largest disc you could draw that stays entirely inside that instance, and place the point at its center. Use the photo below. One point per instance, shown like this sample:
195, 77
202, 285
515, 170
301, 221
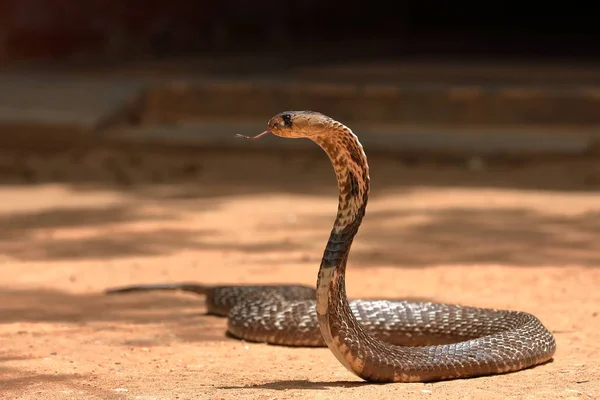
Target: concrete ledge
58, 100
56, 110
377, 103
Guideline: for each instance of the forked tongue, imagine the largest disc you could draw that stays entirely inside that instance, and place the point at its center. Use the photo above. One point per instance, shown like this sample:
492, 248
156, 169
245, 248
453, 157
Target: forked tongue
253, 137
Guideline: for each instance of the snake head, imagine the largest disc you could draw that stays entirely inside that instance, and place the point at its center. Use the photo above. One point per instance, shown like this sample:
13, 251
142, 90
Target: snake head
299, 124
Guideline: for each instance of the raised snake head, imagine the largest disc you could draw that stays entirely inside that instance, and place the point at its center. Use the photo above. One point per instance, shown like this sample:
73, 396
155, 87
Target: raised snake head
300, 124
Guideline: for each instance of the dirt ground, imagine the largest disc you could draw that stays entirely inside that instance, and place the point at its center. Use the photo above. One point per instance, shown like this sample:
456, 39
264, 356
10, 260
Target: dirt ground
513, 235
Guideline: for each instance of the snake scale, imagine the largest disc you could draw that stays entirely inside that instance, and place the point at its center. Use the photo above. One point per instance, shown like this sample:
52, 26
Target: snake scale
380, 341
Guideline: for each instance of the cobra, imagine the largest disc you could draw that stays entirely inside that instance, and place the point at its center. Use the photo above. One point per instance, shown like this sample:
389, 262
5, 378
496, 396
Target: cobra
379, 341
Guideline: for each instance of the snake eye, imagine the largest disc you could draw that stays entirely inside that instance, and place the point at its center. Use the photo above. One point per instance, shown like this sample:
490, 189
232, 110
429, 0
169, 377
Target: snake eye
286, 120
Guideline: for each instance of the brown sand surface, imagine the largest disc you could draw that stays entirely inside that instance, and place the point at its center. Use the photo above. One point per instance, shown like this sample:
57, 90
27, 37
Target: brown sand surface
520, 236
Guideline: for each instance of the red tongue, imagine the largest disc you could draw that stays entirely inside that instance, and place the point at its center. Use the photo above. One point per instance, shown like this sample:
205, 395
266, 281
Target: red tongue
253, 137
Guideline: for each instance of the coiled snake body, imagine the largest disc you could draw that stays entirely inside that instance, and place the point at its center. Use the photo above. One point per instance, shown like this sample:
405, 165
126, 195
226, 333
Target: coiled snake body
380, 341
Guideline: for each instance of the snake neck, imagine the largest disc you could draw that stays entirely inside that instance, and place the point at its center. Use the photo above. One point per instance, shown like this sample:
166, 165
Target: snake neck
349, 161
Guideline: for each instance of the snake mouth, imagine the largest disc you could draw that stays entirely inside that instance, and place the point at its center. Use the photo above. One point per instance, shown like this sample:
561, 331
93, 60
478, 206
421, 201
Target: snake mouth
252, 137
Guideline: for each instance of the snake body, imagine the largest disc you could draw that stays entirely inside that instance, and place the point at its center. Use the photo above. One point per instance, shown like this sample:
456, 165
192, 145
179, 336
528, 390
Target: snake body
380, 341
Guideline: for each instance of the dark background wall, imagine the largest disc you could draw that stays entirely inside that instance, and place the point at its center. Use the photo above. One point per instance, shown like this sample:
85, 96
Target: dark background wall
66, 29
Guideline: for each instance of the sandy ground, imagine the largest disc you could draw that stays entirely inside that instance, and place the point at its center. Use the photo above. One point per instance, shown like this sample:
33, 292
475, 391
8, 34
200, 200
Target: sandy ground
521, 236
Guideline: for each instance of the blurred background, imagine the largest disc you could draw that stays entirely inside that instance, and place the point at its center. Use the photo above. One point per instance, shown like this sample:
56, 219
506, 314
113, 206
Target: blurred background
129, 93
416, 76
118, 165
